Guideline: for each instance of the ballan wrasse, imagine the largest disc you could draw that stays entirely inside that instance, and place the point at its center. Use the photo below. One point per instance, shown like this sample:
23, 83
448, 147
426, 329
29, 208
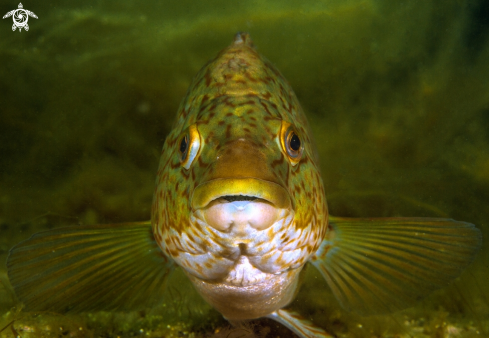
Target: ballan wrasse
239, 204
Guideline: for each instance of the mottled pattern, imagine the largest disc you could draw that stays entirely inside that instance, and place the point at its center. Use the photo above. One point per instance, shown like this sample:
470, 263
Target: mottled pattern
239, 102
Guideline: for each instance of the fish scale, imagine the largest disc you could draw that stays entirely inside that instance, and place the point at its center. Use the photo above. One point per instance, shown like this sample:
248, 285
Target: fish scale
240, 206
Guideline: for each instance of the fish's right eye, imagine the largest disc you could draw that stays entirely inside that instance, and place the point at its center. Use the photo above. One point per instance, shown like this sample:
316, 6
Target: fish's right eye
189, 146
184, 146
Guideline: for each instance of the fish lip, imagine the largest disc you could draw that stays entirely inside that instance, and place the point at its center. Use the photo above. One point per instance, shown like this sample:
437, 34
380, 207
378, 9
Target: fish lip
209, 191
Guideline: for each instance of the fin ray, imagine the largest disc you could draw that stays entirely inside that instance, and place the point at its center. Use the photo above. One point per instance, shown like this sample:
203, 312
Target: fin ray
379, 265
84, 268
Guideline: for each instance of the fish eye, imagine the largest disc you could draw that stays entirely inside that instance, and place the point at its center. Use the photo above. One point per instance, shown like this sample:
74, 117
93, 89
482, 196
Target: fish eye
189, 146
294, 142
184, 146
291, 142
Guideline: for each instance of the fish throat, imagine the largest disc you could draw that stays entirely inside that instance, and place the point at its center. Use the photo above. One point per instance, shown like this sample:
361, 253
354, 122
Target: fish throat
238, 230
245, 260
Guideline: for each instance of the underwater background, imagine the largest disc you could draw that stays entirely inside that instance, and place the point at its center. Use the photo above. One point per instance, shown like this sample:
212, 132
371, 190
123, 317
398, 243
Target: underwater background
397, 94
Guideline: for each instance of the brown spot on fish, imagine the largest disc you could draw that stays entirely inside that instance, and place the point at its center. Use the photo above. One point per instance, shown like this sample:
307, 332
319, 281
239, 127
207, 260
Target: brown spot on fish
266, 108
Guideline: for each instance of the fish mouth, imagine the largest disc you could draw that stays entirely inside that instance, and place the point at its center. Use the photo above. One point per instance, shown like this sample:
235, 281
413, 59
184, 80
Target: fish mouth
240, 205
240, 189
239, 198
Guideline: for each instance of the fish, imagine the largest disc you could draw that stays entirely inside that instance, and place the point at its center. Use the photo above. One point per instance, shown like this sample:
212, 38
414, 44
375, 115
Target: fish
239, 205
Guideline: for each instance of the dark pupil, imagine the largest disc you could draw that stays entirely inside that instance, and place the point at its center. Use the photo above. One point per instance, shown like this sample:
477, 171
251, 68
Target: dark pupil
295, 142
183, 145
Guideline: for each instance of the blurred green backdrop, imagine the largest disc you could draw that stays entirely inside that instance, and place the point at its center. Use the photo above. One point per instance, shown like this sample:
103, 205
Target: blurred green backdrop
397, 94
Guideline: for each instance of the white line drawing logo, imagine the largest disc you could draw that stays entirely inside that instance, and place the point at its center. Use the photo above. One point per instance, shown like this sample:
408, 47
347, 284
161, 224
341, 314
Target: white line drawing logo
20, 16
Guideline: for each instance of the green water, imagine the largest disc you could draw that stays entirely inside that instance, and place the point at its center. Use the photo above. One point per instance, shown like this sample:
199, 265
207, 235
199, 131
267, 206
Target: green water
397, 94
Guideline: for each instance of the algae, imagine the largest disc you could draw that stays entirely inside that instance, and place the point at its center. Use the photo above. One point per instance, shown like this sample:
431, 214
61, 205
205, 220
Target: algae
396, 92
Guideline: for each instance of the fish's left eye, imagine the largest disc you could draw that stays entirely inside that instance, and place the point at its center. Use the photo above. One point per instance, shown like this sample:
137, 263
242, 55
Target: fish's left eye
189, 146
291, 142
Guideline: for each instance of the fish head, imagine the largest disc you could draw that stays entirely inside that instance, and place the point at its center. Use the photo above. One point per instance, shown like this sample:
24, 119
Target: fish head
239, 195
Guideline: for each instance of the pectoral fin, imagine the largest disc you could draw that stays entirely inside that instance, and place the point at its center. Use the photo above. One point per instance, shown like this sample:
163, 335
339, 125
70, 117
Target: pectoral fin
380, 265
85, 268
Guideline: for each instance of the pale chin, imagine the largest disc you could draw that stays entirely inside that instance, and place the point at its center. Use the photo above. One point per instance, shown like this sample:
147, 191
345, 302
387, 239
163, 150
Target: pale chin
245, 274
